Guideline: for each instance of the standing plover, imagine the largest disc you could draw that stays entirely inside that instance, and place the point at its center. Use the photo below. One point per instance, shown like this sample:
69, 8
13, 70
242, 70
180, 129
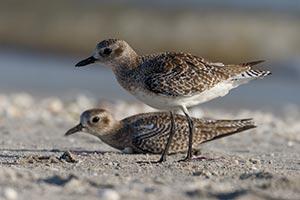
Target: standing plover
148, 132
170, 80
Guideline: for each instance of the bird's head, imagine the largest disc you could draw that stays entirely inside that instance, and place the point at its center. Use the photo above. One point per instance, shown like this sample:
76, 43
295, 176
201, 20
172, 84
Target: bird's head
97, 122
110, 52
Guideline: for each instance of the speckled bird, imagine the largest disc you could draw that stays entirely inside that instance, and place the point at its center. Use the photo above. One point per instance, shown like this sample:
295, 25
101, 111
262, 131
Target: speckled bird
170, 80
149, 132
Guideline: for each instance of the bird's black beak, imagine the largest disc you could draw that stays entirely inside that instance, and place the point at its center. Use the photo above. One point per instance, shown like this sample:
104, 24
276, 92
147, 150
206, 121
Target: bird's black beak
75, 129
87, 61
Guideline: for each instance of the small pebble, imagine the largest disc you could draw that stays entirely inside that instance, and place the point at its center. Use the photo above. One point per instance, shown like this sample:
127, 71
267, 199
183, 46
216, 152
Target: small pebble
10, 194
290, 144
55, 105
270, 162
68, 157
109, 194
75, 185
203, 173
22, 100
254, 161
236, 162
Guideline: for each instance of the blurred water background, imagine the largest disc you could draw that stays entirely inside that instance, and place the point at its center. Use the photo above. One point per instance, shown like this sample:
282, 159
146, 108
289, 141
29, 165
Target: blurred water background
41, 41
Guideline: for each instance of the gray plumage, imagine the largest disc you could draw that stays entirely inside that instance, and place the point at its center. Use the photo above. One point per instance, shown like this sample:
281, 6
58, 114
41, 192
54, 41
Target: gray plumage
148, 132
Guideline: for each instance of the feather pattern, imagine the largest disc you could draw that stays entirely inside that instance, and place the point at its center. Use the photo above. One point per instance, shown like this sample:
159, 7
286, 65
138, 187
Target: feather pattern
153, 138
182, 74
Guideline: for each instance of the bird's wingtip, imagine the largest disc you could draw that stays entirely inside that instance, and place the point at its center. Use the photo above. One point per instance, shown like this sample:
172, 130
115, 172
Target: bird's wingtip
252, 63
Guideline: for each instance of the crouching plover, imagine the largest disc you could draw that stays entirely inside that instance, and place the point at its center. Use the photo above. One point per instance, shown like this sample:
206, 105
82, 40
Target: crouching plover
170, 80
148, 132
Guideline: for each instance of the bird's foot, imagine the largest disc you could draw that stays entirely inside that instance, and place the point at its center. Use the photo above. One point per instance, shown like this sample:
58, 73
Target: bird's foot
200, 158
161, 160
186, 159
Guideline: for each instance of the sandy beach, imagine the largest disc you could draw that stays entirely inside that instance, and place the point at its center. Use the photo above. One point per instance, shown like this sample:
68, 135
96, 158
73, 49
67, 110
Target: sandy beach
263, 163
42, 95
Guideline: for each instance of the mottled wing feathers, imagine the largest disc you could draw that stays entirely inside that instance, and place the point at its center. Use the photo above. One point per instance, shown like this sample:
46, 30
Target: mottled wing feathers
147, 130
154, 141
182, 74
151, 131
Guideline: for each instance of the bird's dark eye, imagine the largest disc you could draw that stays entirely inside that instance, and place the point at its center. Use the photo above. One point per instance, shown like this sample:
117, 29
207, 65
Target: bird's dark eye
95, 119
107, 51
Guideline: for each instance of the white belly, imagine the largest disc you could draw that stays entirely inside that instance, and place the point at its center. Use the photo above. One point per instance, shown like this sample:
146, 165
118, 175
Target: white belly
169, 103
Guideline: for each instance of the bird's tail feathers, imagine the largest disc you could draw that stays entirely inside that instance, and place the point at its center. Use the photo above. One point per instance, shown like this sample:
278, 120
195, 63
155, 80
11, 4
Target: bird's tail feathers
252, 63
252, 73
214, 129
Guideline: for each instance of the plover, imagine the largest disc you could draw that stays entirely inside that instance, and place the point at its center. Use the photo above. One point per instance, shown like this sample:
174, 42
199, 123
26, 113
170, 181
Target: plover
170, 80
149, 132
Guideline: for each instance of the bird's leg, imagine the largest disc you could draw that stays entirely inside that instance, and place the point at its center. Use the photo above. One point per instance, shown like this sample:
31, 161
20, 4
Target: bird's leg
172, 132
191, 132
166, 150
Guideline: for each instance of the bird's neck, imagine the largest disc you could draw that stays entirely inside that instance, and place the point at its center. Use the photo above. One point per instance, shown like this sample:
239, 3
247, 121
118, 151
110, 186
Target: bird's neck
127, 73
116, 137
126, 64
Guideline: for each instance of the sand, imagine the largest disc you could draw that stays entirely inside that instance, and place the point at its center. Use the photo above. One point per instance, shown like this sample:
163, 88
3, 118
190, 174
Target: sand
38, 162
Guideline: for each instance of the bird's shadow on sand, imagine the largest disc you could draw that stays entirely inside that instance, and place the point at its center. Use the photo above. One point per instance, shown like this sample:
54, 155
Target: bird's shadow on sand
75, 151
10, 156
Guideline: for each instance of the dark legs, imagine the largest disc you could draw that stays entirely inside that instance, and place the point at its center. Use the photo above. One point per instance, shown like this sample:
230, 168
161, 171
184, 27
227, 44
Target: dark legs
191, 132
172, 132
